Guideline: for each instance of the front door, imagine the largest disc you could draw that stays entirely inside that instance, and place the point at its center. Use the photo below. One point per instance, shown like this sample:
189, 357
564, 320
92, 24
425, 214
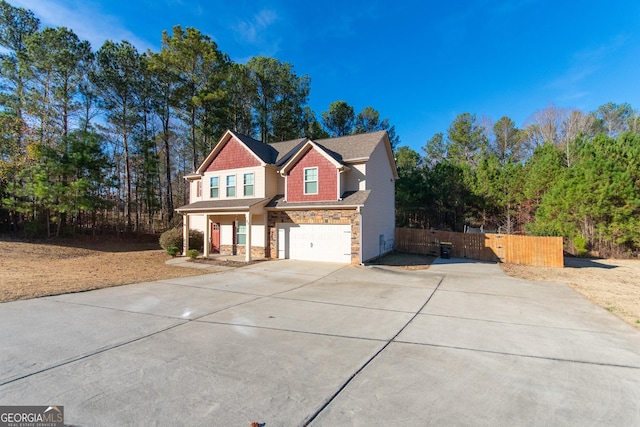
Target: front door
215, 237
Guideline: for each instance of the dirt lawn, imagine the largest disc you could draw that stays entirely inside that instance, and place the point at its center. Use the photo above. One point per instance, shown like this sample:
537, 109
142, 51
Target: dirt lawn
29, 270
613, 284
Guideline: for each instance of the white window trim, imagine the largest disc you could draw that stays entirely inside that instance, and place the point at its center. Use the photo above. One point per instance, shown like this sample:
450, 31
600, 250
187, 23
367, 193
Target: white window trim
212, 187
241, 234
304, 181
245, 185
227, 186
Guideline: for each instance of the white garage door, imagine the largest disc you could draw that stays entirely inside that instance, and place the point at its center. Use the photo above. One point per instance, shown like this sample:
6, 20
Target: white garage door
315, 242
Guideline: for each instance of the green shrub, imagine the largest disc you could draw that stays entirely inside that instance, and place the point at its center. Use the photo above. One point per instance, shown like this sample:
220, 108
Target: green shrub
580, 243
192, 253
173, 237
173, 250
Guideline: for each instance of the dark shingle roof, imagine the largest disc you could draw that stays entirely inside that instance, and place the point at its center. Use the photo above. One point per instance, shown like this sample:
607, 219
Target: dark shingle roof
343, 149
349, 199
353, 147
286, 149
265, 151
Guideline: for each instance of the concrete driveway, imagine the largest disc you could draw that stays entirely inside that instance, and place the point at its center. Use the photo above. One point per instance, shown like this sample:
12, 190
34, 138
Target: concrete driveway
287, 343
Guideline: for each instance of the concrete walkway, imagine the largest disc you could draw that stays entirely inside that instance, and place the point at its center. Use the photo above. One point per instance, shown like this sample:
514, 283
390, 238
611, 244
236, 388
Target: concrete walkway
296, 343
183, 261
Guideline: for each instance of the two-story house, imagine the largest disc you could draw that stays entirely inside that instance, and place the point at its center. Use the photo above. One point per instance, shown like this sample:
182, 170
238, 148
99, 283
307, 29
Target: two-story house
325, 200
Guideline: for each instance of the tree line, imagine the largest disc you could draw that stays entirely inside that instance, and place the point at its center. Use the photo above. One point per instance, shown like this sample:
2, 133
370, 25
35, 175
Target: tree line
94, 140
100, 140
566, 173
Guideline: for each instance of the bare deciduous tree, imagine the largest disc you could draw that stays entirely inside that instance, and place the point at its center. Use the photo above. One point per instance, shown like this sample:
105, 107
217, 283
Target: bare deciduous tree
574, 125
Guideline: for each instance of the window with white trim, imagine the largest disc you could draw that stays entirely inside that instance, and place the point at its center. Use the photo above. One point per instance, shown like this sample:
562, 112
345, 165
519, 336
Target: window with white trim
231, 186
241, 233
248, 184
198, 188
311, 180
214, 187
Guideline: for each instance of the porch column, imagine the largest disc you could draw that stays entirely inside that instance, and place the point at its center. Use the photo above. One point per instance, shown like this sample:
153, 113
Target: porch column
207, 237
247, 256
185, 234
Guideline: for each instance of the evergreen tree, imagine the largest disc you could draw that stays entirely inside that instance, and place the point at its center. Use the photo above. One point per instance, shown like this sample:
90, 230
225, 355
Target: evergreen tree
241, 93
16, 25
54, 63
280, 98
201, 68
117, 76
339, 119
508, 143
435, 150
466, 140
368, 120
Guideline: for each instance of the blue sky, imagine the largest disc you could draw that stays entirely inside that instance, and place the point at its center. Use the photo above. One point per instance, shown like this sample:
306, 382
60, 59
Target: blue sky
420, 63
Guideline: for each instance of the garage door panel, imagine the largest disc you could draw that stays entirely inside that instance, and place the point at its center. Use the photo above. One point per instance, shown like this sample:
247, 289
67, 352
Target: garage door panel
315, 242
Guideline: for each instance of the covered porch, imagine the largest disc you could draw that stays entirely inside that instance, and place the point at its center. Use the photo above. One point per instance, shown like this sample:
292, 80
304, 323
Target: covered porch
231, 228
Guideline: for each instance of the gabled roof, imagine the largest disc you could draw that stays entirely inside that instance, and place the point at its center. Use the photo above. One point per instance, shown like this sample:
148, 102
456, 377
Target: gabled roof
264, 153
331, 156
354, 147
343, 150
286, 149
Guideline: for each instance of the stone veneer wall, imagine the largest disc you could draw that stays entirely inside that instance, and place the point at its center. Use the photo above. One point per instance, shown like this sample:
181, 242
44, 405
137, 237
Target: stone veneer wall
256, 251
329, 216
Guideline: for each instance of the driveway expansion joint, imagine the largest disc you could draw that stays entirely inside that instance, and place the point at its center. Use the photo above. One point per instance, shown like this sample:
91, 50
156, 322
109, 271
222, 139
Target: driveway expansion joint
91, 354
528, 356
368, 361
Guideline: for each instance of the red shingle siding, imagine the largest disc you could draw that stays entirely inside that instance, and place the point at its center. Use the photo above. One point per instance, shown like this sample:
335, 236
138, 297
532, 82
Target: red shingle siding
327, 179
232, 156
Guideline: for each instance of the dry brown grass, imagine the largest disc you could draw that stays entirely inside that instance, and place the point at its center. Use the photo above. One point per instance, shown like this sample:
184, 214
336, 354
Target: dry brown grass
613, 284
35, 269
29, 270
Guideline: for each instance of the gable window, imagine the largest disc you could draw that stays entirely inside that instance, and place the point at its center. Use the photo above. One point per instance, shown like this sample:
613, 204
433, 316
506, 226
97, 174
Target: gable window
310, 180
214, 187
231, 186
241, 233
248, 184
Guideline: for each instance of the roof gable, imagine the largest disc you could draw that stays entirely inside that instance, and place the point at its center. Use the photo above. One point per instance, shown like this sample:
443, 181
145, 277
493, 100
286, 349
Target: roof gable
262, 153
332, 157
340, 151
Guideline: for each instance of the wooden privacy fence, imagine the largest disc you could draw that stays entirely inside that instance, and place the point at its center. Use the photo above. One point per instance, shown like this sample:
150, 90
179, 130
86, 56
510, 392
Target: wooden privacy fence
527, 250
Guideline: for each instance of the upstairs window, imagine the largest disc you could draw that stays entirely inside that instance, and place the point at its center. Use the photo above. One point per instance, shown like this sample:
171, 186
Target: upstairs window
199, 189
214, 187
231, 186
248, 184
310, 180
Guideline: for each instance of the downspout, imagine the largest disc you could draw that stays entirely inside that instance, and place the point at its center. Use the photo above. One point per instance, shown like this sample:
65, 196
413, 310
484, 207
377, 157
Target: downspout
359, 211
341, 171
185, 233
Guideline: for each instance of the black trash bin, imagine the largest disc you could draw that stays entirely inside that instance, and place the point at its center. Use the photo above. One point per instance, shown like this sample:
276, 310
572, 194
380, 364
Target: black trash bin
445, 250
